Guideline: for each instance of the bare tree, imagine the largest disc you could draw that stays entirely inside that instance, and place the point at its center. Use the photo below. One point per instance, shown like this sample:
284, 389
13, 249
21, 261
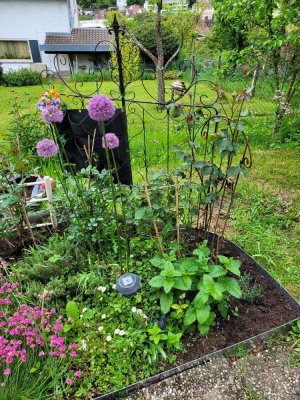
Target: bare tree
158, 60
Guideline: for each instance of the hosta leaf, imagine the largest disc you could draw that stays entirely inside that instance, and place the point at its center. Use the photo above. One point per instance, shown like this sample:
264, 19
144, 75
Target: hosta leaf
166, 301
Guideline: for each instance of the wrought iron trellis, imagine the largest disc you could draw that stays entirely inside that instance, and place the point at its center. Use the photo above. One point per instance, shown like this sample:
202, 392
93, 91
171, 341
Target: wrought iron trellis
154, 127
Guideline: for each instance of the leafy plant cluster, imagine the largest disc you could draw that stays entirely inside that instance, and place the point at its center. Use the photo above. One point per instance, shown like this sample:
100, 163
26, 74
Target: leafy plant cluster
21, 77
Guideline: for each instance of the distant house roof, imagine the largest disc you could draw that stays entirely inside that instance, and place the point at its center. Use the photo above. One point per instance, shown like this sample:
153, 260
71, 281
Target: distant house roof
80, 40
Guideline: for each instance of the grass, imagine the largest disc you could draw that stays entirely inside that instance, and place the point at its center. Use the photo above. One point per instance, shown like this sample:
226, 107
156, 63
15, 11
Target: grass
265, 219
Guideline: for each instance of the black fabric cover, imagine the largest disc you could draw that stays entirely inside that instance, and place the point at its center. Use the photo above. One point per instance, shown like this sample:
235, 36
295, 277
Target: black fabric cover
77, 126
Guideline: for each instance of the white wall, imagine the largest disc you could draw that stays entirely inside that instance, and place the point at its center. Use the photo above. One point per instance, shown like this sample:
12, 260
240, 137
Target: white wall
31, 19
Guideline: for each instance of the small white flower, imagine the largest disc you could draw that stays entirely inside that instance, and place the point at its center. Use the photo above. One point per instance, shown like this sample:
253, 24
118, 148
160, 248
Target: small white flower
81, 315
122, 333
100, 328
108, 338
83, 344
84, 310
182, 296
103, 316
117, 331
114, 286
145, 316
134, 310
139, 312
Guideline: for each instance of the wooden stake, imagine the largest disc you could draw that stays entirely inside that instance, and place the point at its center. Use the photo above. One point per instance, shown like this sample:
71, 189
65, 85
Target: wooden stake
153, 220
177, 209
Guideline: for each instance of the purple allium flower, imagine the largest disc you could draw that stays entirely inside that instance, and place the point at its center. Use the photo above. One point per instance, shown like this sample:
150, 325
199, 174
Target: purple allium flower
52, 114
101, 108
77, 374
46, 148
112, 141
69, 381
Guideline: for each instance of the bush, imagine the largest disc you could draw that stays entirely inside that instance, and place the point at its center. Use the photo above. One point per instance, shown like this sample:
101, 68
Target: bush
104, 75
22, 77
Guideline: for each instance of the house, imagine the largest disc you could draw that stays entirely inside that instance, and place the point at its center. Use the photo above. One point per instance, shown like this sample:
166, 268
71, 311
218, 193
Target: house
24, 25
83, 48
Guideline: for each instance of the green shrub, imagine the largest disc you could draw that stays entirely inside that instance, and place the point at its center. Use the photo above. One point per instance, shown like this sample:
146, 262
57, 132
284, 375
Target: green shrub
22, 77
104, 75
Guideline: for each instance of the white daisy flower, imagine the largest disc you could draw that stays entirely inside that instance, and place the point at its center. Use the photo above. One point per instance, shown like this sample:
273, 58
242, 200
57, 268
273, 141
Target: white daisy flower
100, 328
84, 310
117, 331
108, 338
122, 333
103, 316
134, 310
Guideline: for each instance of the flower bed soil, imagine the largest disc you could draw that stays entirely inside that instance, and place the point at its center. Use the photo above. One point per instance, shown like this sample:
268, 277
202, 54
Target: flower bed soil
275, 309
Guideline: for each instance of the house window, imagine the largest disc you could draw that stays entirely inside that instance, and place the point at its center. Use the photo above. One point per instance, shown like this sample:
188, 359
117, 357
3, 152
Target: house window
14, 50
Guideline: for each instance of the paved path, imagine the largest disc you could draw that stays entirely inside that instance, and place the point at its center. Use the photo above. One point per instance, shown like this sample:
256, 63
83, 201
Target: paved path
265, 375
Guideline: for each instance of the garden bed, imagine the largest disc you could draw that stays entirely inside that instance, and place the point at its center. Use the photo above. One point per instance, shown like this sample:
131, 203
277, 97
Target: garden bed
272, 313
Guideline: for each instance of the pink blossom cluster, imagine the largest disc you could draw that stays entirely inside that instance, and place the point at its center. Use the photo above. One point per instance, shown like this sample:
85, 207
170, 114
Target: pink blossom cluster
30, 328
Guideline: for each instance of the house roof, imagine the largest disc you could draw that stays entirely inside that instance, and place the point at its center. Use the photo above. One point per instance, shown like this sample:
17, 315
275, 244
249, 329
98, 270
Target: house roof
80, 40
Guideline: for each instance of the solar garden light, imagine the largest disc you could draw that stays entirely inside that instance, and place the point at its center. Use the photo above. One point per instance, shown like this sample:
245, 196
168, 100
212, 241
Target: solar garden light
128, 284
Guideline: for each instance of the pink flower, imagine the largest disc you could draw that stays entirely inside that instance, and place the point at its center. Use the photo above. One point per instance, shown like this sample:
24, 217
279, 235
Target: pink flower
69, 381
73, 353
77, 374
111, 141
7, 371
101, 108
41, 354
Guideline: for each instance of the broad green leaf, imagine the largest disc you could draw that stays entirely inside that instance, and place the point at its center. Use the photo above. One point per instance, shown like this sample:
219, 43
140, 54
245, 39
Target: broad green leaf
216, 270
203, 329
202, 313
208, 281
140, 213
72, 310
157, 281
166, 301
223, 308
180, 284
224, 260
234, 267
232, 287
157, 262
201, 298
168, 284
189, 316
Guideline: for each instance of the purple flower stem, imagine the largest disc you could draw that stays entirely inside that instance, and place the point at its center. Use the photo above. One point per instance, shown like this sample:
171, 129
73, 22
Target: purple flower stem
123, 211
114, 197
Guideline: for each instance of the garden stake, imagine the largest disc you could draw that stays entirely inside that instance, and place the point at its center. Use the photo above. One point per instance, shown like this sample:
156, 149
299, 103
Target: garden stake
153, 219
177, 212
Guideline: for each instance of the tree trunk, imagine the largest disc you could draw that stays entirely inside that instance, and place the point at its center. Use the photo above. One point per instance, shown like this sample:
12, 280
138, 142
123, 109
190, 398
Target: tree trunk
160, 57
254, 79
278, 118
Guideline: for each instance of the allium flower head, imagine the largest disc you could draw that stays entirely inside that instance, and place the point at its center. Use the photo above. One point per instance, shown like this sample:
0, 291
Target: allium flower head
112, 141
101, 108
7, 371
77, 374
52, 113
69, 381
46, 148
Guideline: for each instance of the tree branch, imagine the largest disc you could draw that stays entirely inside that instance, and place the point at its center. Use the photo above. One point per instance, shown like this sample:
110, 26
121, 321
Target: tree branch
174, 55
140, 45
